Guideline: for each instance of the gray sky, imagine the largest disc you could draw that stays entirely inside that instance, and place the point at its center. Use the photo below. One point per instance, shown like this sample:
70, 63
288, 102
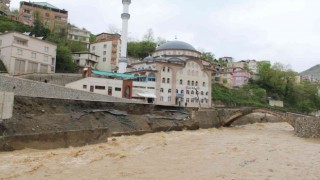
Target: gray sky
285, 31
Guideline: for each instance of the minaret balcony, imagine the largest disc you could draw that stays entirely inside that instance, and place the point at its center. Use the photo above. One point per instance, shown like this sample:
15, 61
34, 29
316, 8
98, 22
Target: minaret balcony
125, 16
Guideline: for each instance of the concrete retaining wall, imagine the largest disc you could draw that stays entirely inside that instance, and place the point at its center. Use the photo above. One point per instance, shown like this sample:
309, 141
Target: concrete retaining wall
23, 87
54, 140
58, 79
308, 127
6, 105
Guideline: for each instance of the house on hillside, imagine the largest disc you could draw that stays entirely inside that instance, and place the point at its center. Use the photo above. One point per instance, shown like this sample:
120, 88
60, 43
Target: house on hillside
22, 54
78, 34
107, 47
85, 60
54, 18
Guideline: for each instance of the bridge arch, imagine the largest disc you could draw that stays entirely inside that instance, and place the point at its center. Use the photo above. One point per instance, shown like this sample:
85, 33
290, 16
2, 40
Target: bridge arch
244, 112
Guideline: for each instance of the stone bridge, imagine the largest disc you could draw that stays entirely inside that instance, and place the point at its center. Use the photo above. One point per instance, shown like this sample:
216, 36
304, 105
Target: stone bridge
229, 115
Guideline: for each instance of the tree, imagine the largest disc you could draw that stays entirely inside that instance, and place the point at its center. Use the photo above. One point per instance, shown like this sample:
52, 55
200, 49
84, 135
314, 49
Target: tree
38, 28
141, 49
208, 56
64, 59
149, 36
161, 41
92, 38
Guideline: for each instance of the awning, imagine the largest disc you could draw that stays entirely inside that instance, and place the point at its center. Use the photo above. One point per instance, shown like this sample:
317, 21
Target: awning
112, 74
147, 95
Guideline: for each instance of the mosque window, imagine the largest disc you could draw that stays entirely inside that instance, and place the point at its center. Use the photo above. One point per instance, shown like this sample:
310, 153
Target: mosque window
182, 91
201, 92
169, 90
164, 69
196, 83
169, 99
201, 101
187, 100
168, 80
151, 77
192, 100
204, 84
192, 92
181, 81
207, 93
163, 80
168, 69
177, 91
188, 83
161, 89
192, 83
161, 98
187, 91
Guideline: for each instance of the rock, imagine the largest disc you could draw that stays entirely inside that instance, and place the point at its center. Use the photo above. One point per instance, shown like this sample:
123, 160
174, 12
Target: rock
33, 129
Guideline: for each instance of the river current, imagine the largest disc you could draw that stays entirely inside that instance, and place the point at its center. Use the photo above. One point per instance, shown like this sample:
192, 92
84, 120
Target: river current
255, 151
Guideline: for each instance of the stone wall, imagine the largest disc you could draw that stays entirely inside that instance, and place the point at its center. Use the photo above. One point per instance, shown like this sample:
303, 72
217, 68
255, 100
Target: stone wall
308, 127
58, 79
23, 87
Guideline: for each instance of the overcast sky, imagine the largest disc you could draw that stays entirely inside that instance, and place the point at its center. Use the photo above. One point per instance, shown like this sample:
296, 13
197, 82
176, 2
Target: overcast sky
285, 31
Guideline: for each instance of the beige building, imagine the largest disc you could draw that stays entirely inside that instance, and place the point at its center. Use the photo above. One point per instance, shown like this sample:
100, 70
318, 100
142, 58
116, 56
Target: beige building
85, 59
22, 54
78, 34
174, 76
107, 47
54, 18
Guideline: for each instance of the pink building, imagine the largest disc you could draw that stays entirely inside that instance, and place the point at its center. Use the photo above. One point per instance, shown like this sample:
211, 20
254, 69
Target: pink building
240, 78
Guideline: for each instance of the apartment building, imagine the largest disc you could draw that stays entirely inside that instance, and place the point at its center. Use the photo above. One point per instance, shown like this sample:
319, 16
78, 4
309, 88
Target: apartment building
53, 18
78, 34
85, 59
107, 47
22, 54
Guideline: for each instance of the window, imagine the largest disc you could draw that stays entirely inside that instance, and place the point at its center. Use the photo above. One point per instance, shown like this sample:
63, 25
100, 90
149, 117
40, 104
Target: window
169, 90
188, 83
201, 101
168, 69
161, 98
161, 89
104, 59
201, 92
192, 83
192, 92
181, 81
46, 49
168, 80
84, 86
187, 91
204, 84
33, 55
182, 91
104, 52
117, 89
19, 51
163, 80
164, 69
207, 93
100, 87
188, 99
45, 58
104, 46
196, 83
169, 99
27, 11
192, 100
177, 91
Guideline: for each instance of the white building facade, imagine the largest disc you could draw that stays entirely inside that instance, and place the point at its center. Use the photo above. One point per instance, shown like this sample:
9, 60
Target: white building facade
85, 59
23, 54
78, 34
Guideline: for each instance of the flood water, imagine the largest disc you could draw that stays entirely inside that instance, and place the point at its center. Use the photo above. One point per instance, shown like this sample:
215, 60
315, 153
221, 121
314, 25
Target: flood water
256, 151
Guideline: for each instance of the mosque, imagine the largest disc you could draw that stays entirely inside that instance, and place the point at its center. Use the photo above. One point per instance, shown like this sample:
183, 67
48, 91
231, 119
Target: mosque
174, 75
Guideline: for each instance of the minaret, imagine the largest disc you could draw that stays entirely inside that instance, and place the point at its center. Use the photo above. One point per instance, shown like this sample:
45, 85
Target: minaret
125, 16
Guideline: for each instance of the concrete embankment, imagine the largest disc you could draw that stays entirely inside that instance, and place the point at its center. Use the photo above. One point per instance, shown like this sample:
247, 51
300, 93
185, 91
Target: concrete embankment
54, 140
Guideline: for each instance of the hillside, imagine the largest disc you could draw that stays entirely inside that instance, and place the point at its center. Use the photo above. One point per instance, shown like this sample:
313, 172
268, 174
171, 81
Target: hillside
314, 71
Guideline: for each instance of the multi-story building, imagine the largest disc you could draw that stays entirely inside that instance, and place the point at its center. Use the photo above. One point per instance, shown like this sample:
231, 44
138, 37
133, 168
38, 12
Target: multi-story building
22, 54
53, 18
168, 79
85, 59
78, 34
107, 47
4, 7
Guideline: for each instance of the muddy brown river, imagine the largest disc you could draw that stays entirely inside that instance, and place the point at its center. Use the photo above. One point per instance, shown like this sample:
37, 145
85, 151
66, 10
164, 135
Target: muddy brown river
256, 151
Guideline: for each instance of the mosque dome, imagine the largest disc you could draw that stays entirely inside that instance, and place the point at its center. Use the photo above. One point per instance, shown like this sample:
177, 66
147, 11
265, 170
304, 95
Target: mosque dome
148, 59
175, 45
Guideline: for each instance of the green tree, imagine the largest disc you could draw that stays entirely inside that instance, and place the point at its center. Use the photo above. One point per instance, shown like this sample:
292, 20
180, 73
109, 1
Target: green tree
141, 49
92, 38
38, 28
208, 56
149, 36
64, 59
10, 25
